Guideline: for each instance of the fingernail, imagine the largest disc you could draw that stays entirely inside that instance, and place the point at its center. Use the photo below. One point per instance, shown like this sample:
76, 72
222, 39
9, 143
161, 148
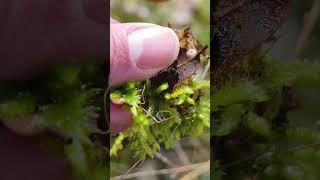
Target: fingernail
153, 47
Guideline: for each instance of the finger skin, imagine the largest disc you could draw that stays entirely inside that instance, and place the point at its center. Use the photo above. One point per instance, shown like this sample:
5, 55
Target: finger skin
157, 48
138, 51
122, 69
120, 119
112, 21
37, 34
25, 158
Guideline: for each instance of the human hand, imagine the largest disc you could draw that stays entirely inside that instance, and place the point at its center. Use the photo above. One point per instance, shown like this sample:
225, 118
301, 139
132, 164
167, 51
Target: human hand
35, 34
38, 34
138, 51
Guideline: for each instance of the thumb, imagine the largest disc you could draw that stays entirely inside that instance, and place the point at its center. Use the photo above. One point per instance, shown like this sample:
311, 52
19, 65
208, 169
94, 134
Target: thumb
139, 51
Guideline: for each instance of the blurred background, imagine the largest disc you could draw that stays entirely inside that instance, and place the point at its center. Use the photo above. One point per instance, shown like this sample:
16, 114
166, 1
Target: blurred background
299, 39
179, 13
190, 157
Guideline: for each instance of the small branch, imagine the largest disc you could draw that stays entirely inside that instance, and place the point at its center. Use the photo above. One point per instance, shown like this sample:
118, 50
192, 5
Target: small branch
269, 150
303, 146
309, 24
206, 70
201, 149
198, 55
135, 165
166, 160
162, 171
182, 155
197, 172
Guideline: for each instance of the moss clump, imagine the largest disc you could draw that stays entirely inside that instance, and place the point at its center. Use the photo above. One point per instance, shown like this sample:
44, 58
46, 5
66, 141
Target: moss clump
160, 115
19, 106
253, 134
67, 100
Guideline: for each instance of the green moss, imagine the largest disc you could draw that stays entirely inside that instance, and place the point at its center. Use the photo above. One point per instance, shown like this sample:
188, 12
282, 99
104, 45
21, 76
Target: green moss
19, 106
67, 100
254, 137
161, 116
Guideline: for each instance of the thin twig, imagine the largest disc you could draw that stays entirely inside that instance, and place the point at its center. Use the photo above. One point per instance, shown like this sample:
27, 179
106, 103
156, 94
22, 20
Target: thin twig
166, 160
266, 152
274, 41
201, 149
162, 171
197, 172
303, 146
182, 155
197, 56
205, 71
159, 120
136, 164
309, 24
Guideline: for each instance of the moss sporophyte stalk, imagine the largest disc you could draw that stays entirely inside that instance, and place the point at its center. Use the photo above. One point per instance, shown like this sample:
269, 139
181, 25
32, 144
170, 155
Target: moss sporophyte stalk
168, 107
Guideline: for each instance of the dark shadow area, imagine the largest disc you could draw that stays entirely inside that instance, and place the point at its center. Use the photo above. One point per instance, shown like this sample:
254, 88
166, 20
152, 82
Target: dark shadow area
54, 66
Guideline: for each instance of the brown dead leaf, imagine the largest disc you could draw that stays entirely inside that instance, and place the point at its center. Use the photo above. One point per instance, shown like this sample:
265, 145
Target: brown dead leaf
241, 26
187, 63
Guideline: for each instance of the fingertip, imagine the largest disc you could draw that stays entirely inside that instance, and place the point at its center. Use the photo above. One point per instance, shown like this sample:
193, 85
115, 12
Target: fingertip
153, 47
120, 119
112, 21
140, 50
